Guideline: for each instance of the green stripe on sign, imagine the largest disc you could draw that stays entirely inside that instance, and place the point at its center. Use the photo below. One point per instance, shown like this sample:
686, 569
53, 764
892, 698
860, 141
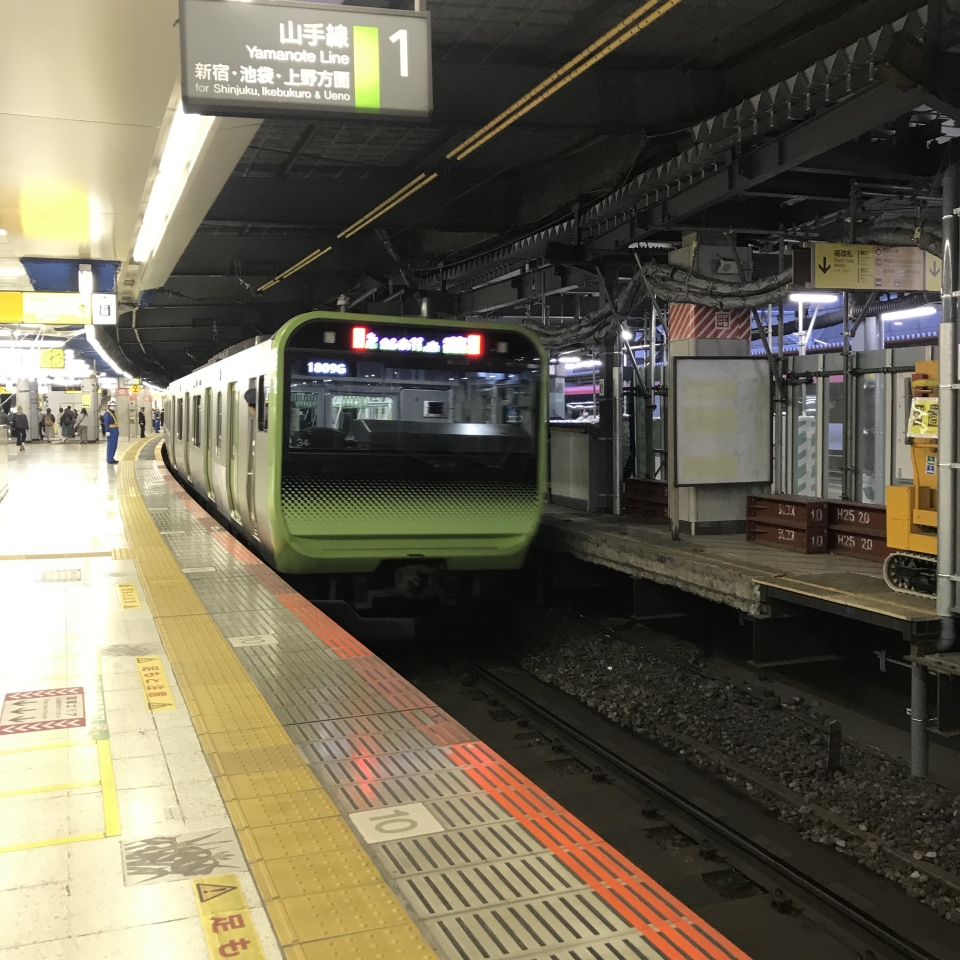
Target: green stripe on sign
366, 67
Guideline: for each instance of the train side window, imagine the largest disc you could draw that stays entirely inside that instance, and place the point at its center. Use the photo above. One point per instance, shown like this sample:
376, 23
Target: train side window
179, 418
196, 419
263, 403
219, 422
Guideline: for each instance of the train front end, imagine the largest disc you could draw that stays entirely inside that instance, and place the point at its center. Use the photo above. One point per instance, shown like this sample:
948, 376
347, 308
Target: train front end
407, 445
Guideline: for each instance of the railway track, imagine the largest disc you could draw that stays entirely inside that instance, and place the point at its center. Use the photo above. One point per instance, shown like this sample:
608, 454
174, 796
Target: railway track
879, 938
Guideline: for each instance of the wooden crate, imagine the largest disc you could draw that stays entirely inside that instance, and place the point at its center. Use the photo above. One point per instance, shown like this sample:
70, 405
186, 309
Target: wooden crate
790, 523
800, 513
864, 546
645, 500
858, 530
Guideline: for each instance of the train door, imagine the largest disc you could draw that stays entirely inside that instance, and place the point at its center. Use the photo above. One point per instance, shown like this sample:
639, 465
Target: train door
233, 443
176, 433
208, 440
186, 437
252, 458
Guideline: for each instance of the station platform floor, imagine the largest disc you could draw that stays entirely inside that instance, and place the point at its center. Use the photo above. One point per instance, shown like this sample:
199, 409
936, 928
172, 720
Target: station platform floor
196, 763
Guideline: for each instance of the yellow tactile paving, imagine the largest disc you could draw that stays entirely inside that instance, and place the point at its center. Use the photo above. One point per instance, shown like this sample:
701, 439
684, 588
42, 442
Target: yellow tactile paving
313, 873
292, 839
272, 783
324, 894
168, 599
280, 808
335, 913
402, 942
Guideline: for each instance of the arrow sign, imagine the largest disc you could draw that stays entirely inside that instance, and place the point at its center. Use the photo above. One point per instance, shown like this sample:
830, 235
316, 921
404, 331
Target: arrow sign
823, 267
934, 270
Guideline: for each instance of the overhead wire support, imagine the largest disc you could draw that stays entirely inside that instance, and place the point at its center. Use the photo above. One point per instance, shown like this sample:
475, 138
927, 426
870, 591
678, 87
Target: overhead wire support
647, 13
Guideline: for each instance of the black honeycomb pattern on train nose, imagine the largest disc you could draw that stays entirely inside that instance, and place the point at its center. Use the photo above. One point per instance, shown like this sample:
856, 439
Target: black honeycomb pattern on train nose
306, 499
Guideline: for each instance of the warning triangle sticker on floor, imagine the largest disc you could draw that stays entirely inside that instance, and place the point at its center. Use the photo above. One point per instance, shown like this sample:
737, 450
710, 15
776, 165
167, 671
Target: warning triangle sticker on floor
210, 891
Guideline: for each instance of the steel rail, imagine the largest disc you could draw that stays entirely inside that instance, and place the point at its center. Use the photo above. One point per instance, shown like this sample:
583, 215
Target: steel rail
834, 901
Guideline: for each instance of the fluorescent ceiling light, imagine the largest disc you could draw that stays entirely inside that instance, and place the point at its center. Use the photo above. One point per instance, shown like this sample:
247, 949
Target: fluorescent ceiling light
85, 279
91, 335
927, 310
812, 297
188, 131
12, 272
569, 360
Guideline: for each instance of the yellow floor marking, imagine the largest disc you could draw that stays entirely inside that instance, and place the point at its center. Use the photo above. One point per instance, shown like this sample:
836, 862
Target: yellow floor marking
227, 921
303, 856
50, 789
128, 596
35, 844
55, 556
156, 688
111, 805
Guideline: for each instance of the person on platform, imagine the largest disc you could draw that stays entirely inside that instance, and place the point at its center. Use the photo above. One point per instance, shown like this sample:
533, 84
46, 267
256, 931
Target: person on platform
142, 421
50, 421
83, 425
111, 429
20, 427
67, 419
156, 420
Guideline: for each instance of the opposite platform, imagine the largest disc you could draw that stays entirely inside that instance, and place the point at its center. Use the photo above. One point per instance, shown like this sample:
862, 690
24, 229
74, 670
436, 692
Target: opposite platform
750, 577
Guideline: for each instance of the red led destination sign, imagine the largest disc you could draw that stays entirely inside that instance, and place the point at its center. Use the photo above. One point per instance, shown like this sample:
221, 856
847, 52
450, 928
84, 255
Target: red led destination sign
466, 345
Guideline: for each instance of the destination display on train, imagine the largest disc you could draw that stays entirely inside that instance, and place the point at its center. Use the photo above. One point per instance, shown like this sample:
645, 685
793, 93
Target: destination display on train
282, 59
464, 345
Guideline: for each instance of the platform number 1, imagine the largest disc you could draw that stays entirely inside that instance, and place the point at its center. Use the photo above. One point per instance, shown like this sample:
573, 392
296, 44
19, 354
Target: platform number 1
401, 37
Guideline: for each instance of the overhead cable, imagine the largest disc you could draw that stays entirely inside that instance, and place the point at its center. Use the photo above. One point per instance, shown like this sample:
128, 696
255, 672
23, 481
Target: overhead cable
646, 14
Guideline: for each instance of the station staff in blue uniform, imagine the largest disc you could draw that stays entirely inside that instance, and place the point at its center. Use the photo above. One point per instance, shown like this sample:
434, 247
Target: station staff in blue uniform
111, 429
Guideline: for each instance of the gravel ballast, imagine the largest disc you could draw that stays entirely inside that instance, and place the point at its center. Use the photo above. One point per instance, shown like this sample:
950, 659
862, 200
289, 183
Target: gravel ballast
905, 829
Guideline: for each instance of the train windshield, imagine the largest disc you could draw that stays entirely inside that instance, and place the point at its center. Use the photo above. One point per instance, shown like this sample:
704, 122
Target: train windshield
393, 400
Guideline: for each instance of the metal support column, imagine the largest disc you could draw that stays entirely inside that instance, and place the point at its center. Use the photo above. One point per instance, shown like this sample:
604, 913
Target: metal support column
947, 478
918, 720
611, 413
849, 486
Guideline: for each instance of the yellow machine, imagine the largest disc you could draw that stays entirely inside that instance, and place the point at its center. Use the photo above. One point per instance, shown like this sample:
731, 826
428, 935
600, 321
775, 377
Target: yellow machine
912, 510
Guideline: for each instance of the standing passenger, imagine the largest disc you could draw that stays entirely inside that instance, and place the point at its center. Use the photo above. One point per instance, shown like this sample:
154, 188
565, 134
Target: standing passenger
156, 420
142, 421
67, 420
111, 429
82, 425
20, 427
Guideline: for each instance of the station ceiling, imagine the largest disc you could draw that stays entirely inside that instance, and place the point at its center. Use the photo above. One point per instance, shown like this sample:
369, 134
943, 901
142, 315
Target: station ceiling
587, 171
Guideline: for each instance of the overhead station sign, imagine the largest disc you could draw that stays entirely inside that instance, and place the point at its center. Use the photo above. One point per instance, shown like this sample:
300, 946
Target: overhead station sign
282, 59
58, 309
852, 266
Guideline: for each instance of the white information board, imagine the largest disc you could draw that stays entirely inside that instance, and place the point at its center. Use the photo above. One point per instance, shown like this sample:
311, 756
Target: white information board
723, 420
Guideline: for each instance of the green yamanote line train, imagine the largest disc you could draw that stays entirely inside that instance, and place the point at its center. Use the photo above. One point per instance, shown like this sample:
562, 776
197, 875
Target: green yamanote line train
382, 460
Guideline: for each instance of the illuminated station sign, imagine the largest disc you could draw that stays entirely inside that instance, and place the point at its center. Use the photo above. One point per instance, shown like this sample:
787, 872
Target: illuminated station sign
466, 345
289, 59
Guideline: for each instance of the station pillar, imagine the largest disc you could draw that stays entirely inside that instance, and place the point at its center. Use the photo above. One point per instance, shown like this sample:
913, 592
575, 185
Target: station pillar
28, 397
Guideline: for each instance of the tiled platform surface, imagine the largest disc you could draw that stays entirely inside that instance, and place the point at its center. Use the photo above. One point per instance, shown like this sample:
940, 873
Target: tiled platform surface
70, 797
373, 825
730, 570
